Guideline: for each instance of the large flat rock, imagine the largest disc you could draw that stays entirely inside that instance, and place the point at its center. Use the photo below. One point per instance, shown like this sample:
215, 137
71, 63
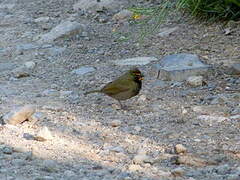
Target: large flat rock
178, 67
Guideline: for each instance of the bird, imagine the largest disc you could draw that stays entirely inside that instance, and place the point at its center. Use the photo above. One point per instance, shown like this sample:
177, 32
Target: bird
124, 87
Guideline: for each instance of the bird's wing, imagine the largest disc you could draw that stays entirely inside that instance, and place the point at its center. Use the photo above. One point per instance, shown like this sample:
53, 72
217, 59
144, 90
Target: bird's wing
116, 87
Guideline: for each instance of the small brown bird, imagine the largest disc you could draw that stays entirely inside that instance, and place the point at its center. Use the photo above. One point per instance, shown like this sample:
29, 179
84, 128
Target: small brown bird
126, 86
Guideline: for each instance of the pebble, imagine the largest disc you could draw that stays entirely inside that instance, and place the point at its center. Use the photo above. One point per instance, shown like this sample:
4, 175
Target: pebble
123, 15
65, 29
137, 128
135, 61
142, 158
165, 32
142, 98
19, 115
45, 178
83, 70
179, 148
97, 6
6, 150
116, 123
49, 166
134, 167
43, 19
50, 92
178, 67
18, 162
195, 81
69, 173
30, 64
235, 69
178, 171
45, 133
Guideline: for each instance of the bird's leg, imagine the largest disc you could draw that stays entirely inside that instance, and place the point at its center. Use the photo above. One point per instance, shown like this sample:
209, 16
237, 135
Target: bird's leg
121, 106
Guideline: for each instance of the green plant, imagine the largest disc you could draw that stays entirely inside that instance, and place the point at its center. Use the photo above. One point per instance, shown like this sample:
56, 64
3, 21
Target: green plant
212, 9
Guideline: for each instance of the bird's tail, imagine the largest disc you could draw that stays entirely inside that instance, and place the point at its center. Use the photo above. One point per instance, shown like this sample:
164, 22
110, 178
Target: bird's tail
90, 92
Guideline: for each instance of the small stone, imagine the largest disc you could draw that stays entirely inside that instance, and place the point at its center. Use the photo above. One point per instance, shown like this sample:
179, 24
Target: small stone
65, 29
45, 134
167, 31
212, 119
21, 72
28, 136
123, 15
235, 117
117, 149
116, 123
6, 150
18, 162
178, 67
178, 172
142, 98
19, 115
195, 81
191, 160
142, 158
50, 92
233, 177
69, 173
83, 70
37, 116
44, 19
179, 148
137, 128
97, 6
30, 64
135, 61
134, 167
49, 166
45, 178
235, 69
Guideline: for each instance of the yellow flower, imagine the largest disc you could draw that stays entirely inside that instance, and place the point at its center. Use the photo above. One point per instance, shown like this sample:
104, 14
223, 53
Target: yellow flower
136, 16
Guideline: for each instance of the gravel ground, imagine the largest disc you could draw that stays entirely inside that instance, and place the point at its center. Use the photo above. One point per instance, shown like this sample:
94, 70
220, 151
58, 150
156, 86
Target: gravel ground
171, 130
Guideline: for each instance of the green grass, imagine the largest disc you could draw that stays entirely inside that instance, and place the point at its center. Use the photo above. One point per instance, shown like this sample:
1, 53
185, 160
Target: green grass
211, 10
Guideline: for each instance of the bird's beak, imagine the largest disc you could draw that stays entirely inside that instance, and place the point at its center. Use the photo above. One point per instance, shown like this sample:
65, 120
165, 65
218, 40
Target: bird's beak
142, 77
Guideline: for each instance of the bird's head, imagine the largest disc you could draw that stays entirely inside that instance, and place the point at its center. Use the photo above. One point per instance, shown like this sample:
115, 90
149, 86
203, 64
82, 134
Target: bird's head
136, 74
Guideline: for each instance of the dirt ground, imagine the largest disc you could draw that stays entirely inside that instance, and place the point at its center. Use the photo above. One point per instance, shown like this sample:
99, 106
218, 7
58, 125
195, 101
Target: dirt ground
92, 138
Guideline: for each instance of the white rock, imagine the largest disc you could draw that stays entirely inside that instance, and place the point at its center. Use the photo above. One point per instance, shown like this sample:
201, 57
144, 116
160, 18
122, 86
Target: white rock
179, 148
195, 81
94, 5
69, 173
142, 158
123, 15
83, 70
7, 6
116, 123
135, 61
30, 64
50, 92
137, 128
178, 172
44, 19
64, 29
49, 165
167, 31
142, 98
212, 119
45, 133
19, 115
134, 167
